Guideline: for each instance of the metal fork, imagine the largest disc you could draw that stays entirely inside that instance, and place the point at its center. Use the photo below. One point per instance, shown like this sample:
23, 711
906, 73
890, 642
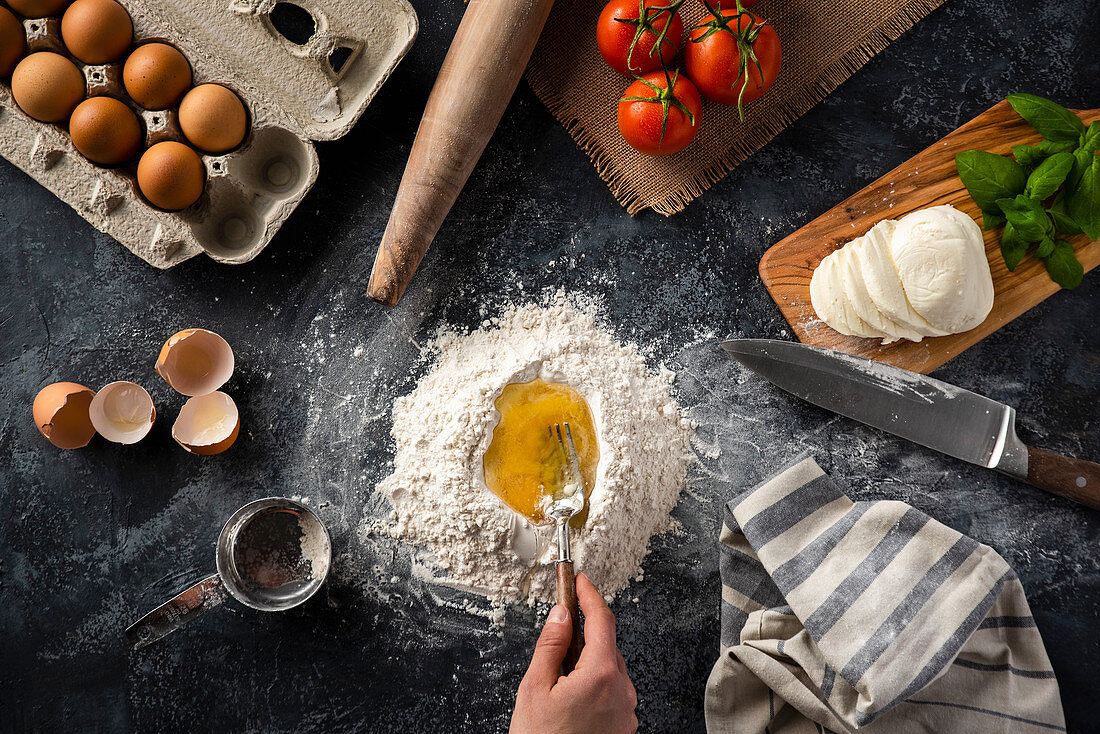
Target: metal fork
568, 500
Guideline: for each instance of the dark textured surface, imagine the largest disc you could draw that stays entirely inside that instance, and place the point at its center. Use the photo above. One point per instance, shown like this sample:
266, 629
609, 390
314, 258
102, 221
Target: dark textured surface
92, 538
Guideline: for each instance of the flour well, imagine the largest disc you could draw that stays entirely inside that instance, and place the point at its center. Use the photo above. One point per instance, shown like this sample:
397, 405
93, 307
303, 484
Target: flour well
444, 426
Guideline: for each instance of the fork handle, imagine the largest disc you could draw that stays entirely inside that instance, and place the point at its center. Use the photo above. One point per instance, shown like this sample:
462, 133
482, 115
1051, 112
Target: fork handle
567, 597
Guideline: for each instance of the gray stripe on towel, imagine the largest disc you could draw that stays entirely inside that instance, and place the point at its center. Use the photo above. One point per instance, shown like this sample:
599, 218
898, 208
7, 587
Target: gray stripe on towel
948, 650
780, 517
881, 639
840, 600
792, 573
827, 681
733, 620
996, 622
1005, 668
745, 574
991, 712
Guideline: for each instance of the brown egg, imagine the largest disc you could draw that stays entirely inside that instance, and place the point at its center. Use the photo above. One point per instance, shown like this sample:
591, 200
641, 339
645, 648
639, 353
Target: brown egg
97, 31
61, 414
105, 130
213, 118
13, 41
47, 86
38, 8
170, 175
156, 76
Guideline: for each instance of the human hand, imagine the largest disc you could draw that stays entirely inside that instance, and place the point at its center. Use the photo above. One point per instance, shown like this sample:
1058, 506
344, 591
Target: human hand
597, 696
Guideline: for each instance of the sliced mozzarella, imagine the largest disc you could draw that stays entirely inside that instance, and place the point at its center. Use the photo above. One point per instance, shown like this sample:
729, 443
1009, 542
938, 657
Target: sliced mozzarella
860, 299
883, 283
941, 262
830, 301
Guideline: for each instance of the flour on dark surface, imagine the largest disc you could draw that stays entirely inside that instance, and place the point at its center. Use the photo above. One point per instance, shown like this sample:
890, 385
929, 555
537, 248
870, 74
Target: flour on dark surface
93, 538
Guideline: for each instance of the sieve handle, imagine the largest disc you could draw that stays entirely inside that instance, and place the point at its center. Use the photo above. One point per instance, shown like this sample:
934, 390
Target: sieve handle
177, 611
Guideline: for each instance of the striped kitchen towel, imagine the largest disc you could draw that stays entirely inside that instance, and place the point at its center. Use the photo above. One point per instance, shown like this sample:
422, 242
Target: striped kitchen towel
841, 615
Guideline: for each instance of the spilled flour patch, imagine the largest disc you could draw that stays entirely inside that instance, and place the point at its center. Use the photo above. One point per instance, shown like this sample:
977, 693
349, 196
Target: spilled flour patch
443, 428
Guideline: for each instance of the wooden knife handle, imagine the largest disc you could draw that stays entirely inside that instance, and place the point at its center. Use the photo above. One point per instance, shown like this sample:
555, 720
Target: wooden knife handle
567, 597
1075, 479
490, 50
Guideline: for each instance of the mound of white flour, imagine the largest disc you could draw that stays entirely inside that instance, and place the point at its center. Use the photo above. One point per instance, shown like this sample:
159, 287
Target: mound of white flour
444, 426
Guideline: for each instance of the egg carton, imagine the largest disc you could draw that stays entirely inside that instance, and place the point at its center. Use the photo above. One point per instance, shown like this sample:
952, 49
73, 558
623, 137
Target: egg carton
294, 94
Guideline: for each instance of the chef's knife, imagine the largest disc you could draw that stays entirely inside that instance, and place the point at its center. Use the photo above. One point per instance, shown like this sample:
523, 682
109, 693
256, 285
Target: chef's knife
927, 411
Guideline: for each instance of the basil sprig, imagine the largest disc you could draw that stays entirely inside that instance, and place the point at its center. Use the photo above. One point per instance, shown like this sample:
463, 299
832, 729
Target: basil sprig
1041, 191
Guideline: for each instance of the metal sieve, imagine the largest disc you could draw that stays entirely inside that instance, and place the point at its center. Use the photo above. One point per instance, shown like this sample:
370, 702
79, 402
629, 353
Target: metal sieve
272, 554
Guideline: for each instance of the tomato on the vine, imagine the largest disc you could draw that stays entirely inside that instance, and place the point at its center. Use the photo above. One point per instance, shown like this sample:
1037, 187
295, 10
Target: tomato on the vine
629, 33
733, 56
660, 114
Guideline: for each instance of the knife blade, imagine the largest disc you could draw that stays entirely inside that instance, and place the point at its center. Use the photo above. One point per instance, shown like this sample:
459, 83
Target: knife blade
922, 409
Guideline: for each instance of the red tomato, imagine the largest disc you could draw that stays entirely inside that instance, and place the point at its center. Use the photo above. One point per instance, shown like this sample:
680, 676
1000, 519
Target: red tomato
622, 26
657, 120
713, 57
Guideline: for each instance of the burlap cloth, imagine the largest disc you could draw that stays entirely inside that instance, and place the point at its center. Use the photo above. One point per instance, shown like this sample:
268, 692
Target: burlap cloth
824, 42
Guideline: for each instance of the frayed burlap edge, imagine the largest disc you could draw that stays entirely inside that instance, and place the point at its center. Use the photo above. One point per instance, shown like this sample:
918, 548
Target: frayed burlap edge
676, 199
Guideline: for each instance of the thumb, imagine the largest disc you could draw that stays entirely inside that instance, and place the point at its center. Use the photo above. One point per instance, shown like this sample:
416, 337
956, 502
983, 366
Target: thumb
550, 649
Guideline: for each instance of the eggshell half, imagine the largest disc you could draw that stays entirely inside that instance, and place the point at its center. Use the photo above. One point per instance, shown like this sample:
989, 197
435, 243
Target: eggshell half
207, 424
122, 412
61, 414
195, 362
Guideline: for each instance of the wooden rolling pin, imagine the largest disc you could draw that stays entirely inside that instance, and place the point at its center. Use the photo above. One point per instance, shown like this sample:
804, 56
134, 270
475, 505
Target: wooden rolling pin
479, 75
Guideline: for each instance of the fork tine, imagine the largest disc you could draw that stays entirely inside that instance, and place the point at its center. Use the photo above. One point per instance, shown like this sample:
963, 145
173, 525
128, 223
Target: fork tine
570, 450
555, 435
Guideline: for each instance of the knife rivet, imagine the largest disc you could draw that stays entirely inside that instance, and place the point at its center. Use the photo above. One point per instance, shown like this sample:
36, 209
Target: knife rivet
1081, 481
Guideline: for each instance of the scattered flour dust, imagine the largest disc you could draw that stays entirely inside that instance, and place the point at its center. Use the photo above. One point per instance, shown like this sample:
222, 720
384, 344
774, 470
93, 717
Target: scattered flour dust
443, 428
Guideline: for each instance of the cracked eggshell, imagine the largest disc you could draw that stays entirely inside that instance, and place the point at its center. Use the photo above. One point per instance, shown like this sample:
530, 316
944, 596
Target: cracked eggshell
195, 362
122, 412
61, 414
207, 424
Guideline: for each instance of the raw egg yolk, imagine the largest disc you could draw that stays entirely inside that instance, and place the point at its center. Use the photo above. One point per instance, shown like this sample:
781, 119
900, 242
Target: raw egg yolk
523, 465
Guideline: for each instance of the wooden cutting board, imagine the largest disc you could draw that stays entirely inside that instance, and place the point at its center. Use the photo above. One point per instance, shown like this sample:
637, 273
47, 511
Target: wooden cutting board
927, 179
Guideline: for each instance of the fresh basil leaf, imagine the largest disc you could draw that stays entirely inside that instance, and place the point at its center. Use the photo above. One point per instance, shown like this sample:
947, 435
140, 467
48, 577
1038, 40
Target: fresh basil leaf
1045, 247
1063, 265
1013, 247
1051, 119
1049, 176
991, 220
1030, 156
1090, 141
1082, 159
1063, 223
1083, 201
989, 177
1027, 216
